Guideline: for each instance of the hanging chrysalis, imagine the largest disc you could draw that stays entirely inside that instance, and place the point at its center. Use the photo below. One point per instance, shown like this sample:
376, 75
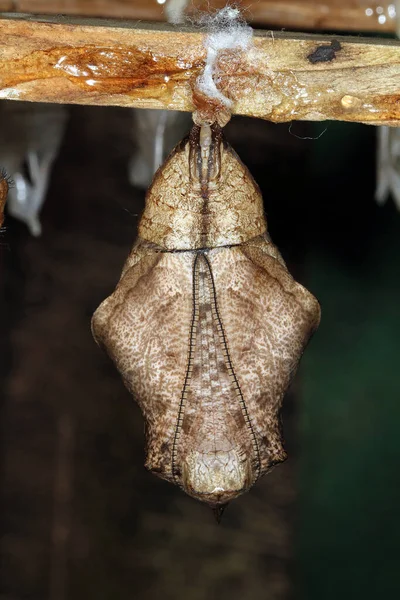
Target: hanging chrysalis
206, 325
4, 187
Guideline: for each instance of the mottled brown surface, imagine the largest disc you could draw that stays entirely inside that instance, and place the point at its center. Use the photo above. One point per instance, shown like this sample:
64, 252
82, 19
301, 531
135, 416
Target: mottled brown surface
206, 325
151, 65
178, 217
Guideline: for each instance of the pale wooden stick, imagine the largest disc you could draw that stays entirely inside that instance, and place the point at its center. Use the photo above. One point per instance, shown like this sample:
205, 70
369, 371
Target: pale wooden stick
341, 15
282, 78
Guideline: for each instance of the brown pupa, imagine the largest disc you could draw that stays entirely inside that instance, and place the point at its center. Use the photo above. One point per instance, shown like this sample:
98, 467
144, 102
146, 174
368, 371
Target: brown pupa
206, 324
4, 186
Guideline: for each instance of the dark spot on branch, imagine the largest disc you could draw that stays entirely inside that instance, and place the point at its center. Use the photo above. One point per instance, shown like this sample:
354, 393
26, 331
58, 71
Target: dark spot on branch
325, 52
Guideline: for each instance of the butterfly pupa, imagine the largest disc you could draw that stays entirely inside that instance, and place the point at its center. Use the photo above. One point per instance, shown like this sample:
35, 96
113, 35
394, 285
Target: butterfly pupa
4, 189
206, 325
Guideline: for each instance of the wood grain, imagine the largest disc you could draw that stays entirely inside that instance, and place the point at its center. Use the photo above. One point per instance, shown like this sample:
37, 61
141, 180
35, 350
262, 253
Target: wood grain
283, 77
328, 15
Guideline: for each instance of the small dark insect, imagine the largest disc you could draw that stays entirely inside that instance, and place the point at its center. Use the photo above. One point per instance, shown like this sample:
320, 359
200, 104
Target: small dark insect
206, 325
325, 52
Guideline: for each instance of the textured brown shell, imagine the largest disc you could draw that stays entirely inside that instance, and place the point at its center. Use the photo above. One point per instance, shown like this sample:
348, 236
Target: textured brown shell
207, 338
178, 217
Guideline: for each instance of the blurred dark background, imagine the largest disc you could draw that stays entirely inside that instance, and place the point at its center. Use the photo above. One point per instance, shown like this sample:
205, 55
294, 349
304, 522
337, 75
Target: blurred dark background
81, 518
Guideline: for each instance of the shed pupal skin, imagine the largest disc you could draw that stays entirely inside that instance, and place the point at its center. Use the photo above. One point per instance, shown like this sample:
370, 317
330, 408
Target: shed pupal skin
206, 325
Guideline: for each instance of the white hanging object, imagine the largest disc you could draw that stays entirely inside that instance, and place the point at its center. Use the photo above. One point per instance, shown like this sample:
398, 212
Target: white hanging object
388, 165
30, 138
155, 132
175, 11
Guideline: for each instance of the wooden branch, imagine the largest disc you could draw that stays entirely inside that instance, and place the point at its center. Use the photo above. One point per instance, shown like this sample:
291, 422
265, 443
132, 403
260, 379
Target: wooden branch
282, 78
340, 15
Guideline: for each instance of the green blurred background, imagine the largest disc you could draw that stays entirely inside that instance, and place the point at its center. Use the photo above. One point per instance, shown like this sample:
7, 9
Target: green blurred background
349, 529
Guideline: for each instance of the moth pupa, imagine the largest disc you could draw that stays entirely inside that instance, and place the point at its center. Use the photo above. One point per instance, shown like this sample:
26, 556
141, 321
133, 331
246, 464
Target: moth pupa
4, 189
206, 325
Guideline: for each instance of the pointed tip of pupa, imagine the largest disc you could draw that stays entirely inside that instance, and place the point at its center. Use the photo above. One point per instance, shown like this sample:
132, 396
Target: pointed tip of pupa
219, 511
